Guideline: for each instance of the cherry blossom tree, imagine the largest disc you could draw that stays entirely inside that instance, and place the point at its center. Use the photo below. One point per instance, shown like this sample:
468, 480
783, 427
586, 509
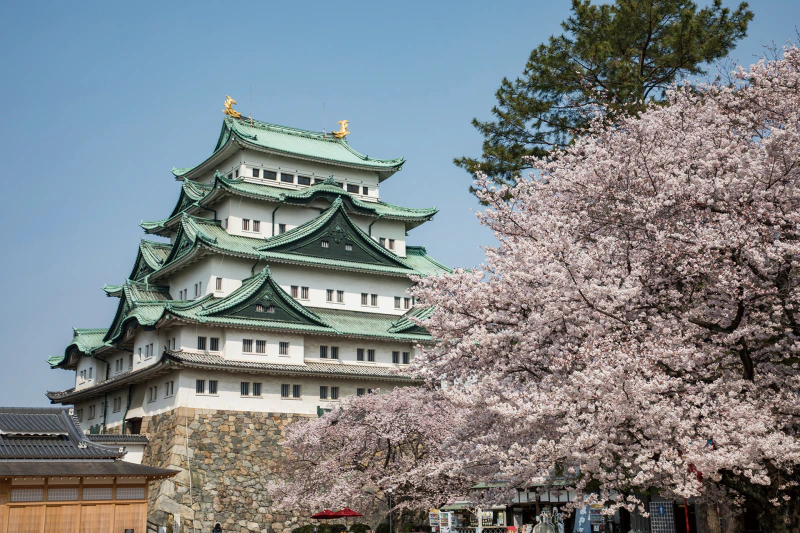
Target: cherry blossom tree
636, 328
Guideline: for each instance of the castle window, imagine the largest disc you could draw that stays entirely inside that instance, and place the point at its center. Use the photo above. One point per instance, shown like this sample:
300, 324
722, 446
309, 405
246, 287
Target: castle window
256, 172
340, 184
214, 344
261, 346
371, 356
256, 225
374, 300
391, 244
295, 291
325, 244
117, 405
323, 352
79, 413
304, 293
361, 392
92, 411
173, 347
323, 392
365, 191
359, 354
281, 229
169, 389
212, 386
201, 343
348, 247
245, 224
285, 390
237, 172
329, 295
247, 345
245, 388
287, 178
296, 391
406, 358
340, 297
90, 373
270, 175
283, 348
153, 393
302, 180
256, 389
397, 302
352, 188
364, 298
334, 352
318, 180
218, 286
198, 289
334, 393
396, 358
200, 386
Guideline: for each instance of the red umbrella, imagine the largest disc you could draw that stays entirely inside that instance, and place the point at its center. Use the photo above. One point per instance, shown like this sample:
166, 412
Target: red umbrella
347, 512
327, 514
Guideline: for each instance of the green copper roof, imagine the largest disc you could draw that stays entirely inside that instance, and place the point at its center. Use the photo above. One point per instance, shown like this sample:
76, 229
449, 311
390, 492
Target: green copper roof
150, 258
85, 341
196, 196
197, 236
405, 325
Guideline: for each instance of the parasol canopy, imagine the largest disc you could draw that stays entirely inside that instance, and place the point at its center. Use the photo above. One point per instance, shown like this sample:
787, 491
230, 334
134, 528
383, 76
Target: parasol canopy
346, 513
327, 514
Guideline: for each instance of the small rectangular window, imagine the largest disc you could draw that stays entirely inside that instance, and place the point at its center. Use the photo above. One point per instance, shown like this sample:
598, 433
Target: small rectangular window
391, 244
256, 172
318, 180
323, 392
237, 173
371, 356
201, 343
365, 191
285, 390
214, 344
340, 184
295, 391
256, 225
302, 180
245, 388
397, 302
406, 358
364, 298
348, 247
325, 244
340, 297
200, 386
407, 303
352, 188
283, 348
334, 352
359, 354
270, 175
90, 372
212, 386
373, 300
382, 241
173, 347
247, 345
245, 224
281, 229
218, 285
334, 393
295, 291
256, 389
261, 346
361, 392
287, 178
323, 352
304, 293
329, 295
396, 358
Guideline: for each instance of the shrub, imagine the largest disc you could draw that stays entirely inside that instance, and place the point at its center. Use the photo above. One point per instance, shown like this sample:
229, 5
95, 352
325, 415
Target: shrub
359, 528
383, 528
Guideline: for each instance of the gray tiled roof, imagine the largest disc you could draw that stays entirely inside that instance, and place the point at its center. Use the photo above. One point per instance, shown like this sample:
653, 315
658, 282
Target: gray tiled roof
118, 439
81, 468
46, 433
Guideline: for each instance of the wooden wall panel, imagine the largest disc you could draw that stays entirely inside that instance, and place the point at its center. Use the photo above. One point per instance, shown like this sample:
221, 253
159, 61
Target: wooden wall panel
61, 518
97, 518
129, 516
25, 519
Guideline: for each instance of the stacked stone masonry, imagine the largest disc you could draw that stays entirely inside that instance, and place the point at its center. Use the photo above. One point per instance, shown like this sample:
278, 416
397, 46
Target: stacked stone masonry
233, 457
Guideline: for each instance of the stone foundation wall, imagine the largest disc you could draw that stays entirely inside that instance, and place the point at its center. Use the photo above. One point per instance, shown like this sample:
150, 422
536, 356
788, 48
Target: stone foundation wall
233, 456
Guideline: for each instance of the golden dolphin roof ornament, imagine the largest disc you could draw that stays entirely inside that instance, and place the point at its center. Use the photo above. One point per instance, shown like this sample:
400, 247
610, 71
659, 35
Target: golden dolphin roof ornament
342, 129
229, 110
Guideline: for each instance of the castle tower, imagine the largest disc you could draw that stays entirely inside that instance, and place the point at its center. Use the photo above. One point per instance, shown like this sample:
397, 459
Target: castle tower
278, 288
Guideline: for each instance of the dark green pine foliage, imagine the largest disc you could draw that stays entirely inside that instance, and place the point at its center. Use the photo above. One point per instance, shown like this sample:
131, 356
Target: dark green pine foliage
619, 55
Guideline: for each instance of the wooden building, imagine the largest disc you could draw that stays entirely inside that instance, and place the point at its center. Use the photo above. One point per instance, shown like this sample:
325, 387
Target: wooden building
53, 479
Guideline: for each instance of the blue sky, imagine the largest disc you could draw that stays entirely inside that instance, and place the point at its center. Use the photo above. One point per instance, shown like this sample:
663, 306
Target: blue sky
101, 100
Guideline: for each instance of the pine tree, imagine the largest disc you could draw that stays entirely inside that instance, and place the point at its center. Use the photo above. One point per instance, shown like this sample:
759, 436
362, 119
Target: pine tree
618, 56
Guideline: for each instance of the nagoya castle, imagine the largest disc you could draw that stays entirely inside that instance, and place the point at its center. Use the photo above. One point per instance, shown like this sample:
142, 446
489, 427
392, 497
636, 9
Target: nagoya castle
278, 287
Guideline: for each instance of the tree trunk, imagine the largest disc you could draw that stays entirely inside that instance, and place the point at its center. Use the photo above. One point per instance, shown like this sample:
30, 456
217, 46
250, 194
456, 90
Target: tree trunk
709, 519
